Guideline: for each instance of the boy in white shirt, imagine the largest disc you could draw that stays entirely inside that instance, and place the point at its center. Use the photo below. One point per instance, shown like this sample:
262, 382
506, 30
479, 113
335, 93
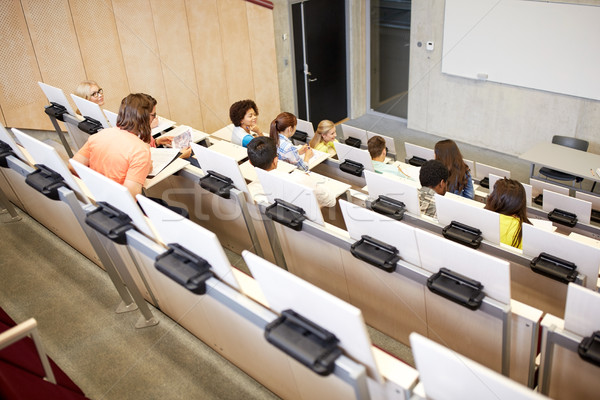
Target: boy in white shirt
262, 154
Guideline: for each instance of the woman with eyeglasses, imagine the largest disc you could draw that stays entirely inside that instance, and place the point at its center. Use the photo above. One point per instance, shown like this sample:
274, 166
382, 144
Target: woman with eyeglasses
90, 90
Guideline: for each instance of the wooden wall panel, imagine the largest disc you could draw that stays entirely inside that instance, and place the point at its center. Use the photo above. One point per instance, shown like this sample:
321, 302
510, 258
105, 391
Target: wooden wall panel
195, 57
54, 42
170, 20
205, 36
2, 120
100, 49
236, 51
135, 26
21, 98
264, 63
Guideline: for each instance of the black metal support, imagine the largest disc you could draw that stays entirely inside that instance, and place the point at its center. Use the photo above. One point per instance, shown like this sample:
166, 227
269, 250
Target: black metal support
457, 288
463, 234
303, 340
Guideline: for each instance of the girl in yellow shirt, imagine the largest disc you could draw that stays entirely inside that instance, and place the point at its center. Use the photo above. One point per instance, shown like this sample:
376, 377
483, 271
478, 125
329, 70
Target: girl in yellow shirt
324, 138
509, 199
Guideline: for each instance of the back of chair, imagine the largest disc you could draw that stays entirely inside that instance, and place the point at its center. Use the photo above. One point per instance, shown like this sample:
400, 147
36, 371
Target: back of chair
571, 142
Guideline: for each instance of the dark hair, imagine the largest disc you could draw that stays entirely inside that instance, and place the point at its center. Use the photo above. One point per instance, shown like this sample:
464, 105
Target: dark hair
280, 124
376, 145
238, 110
448, 153
432, 173
134, 115
509, 198
261, 152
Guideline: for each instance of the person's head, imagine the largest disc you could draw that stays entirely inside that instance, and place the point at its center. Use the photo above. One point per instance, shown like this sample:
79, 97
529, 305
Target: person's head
509, 198
285, 124
136, 114
325, 133
262, 153
449, 154
376, 146
90, 90
243, 113
434, 174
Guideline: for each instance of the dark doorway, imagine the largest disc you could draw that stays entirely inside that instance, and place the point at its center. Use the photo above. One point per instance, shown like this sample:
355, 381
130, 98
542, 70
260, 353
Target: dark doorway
319, 29
390, 56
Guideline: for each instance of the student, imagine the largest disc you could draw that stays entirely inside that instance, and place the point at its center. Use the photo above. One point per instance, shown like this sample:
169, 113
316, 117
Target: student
509, 199
282, 129
262, 154
122, 153
165, 140
433, 177
90, 90
243, 115
324, 138
459, 180
378, 151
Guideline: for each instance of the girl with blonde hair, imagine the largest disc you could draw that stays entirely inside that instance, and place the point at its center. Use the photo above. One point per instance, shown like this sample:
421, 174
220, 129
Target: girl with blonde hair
324, 138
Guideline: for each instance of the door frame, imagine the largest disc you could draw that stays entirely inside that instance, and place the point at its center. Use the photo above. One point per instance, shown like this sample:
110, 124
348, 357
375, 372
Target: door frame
368, 77
293, 59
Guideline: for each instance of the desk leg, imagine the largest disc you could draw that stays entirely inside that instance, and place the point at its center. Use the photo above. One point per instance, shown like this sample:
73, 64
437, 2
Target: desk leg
7, 207
61, 136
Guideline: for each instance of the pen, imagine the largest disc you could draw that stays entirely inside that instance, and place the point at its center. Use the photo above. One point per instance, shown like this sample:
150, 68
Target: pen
592, 171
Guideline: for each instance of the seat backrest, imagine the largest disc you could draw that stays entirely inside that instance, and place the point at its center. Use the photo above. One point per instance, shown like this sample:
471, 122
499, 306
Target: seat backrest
571, 142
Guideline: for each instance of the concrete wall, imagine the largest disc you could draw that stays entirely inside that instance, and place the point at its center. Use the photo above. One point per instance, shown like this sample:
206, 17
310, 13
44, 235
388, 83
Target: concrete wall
506, 118
284, 48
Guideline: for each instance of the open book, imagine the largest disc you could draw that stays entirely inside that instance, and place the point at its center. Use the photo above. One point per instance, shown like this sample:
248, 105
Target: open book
161, 158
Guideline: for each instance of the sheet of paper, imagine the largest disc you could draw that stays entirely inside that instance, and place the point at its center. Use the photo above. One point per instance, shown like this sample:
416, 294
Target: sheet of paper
408, 169
543, 224
196, 136
183, 140
317, 158
336, 188
161, 158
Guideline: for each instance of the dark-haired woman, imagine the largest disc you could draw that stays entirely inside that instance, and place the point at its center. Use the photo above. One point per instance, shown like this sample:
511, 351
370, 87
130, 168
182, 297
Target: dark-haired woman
243, 115
459, 181
122, 153
282, 129
509, 200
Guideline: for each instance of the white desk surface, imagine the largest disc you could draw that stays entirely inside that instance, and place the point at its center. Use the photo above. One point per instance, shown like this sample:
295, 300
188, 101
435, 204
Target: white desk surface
163, 124
224, 133
286, 291
169, 170
446, 375
90, 109
565, 159
229, 149
336, 188
250, 175
582, 311
111, 117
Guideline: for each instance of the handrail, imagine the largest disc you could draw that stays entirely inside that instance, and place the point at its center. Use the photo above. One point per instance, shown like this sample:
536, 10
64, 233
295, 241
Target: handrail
265, 3
21, 330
